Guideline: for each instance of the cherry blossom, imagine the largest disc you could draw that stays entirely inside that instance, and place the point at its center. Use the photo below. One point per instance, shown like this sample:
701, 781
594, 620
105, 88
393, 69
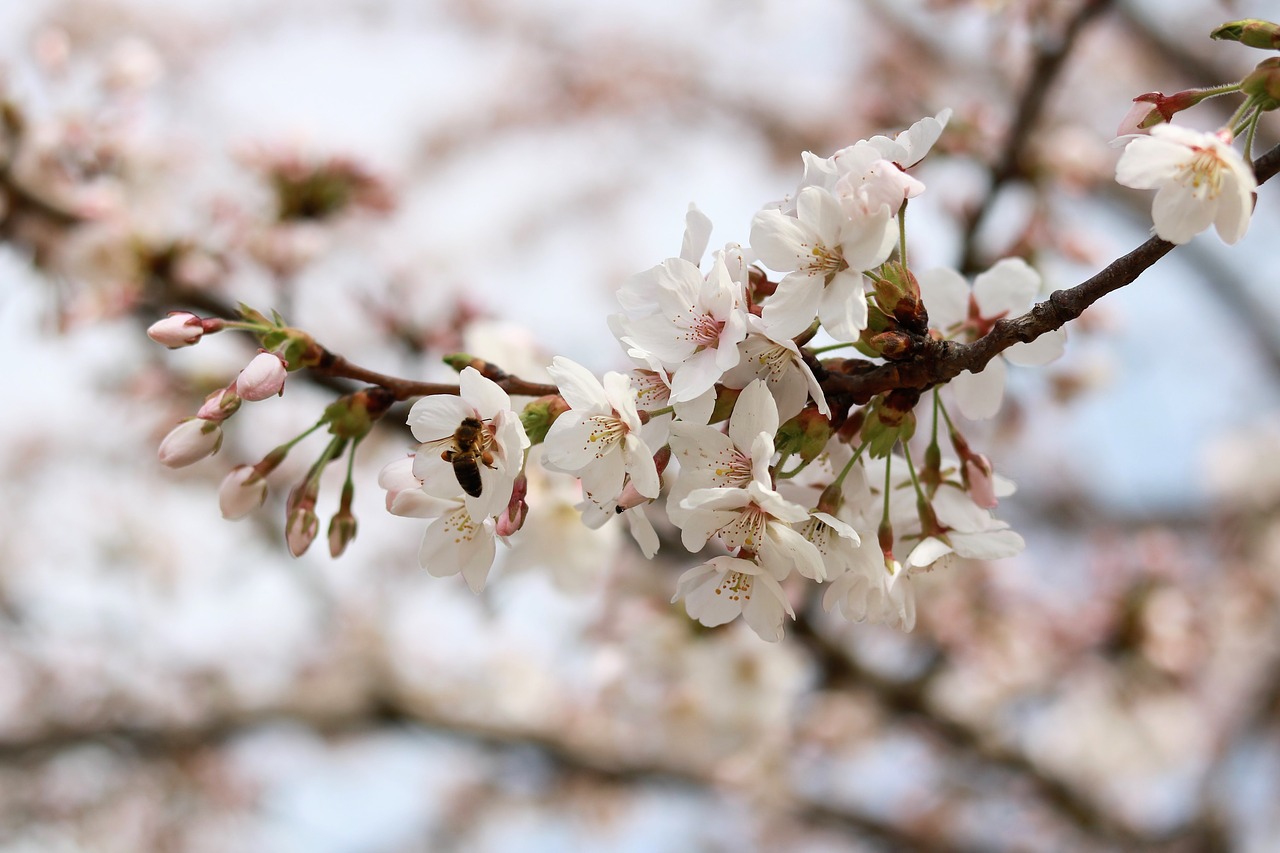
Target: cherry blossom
776, 359
1199, 179
599, 438
697, 328
720, 589
754, 518
824, 253
435, 421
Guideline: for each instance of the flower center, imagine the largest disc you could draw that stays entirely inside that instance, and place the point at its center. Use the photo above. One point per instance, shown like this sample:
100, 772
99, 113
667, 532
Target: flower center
705, 331
1204, 172
747, 530
736, 586
606, 431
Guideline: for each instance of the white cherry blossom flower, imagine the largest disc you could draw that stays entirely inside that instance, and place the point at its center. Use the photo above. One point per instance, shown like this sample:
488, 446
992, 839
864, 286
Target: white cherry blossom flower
455, 543
837, 542
697, 328
777, 360
1008, 289
710, 458
1199, 179
824, 253
754, 518
435, 421
870, 590
599, 438
717, 591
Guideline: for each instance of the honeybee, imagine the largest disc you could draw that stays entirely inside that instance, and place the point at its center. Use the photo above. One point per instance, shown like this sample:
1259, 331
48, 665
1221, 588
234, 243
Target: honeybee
470, 448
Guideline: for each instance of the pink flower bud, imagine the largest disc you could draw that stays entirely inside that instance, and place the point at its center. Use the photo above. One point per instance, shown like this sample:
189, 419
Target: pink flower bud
977, 471
512, 518
179, 329
301, 530
219, 405
242, 491
262, 378
190, 441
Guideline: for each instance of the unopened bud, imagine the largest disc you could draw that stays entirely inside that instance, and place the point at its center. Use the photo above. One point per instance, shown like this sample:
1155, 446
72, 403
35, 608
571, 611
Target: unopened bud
1250, 32
897, 293
179, 329
1263, 83
352, 416
303, 525
242, 491
190, 441
538, 416
894, 346
806, 435
263, 377
978, 480
342, 527
220, 405
890, 419
512, 518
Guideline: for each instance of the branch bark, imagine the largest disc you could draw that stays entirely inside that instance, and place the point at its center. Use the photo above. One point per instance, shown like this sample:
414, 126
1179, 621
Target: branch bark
936, 362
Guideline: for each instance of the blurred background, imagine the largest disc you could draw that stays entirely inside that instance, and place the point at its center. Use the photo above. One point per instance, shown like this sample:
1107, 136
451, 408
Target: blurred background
409, 178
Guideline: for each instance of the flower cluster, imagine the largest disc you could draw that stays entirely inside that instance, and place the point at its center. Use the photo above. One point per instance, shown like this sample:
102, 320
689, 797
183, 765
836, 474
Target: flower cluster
723, 412
771, 473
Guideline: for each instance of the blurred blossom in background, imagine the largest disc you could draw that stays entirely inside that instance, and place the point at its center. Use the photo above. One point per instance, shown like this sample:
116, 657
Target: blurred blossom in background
406, 179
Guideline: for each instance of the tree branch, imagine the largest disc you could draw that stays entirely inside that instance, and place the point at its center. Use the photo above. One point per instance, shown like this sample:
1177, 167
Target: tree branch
936, 362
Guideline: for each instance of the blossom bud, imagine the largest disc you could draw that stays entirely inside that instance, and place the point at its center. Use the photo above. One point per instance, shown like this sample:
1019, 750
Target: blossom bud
342, 528
263, 377
1263, 83
303, 525
890, 420
979, 482
242, 491
512, 518
806, 435
894, 346
190, 441
1250, 32
898, 294
179, 329
351, 417
538, 416
220, 405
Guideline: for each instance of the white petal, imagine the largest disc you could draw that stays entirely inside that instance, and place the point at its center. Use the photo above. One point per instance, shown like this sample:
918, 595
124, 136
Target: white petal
979, 395
946, 297
1044, 349
697, 233
843, 308
578, 386
438, 416
753, 413
1008, 288
484, 395
793, 306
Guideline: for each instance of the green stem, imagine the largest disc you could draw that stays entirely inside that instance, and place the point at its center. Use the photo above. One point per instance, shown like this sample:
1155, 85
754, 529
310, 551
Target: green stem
848, 466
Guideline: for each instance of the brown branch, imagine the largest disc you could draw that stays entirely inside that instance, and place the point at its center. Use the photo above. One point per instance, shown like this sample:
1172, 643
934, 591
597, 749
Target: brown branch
1050, 59
337, 366
936, 362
